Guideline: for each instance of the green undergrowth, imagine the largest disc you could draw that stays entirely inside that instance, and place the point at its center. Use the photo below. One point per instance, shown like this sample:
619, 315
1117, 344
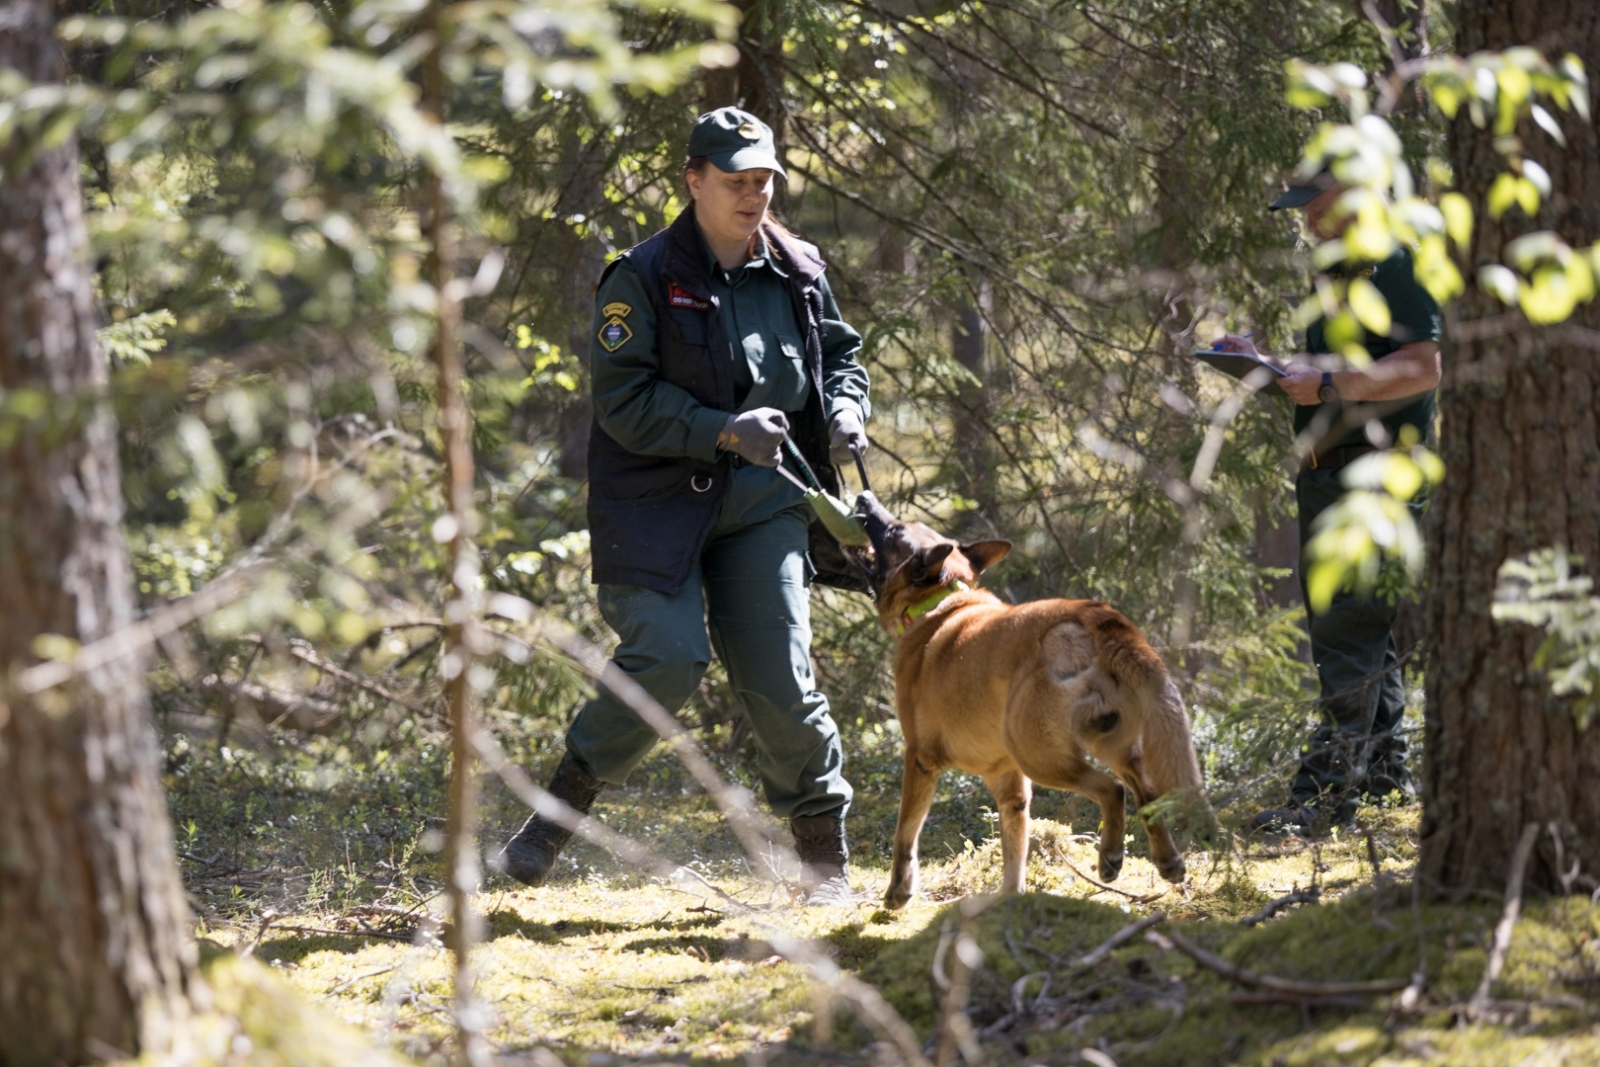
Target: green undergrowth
319, 859
1152, 1006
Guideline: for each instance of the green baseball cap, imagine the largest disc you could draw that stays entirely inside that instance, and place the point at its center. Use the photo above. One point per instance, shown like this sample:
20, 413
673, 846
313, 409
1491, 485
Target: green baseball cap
734, 140
1304, 189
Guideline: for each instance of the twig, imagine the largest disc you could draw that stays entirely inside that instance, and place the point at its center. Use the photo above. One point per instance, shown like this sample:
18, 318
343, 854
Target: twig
1508, 919
317, 931
1299, 1000
261, 931
1299, 896
697, 876
1135, 897
1090, 960
305, 655
348, 982
1234, 973
955, 1025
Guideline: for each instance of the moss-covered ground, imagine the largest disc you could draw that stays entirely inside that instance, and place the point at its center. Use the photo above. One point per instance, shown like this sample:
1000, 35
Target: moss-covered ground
327, 877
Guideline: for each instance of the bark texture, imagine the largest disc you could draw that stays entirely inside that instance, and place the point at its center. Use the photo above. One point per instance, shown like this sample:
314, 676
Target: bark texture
94, 950
1521, 441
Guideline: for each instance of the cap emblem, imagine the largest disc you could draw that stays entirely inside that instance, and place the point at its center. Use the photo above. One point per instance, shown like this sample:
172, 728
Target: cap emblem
748, 130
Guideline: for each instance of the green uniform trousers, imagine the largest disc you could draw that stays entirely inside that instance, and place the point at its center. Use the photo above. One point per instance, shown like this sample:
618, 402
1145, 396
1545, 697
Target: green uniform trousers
750, 590
1358, 748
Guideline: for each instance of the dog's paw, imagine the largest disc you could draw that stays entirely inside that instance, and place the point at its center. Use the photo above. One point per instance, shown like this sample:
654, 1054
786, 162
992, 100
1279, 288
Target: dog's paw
1110, 866
1173, 870
897, 898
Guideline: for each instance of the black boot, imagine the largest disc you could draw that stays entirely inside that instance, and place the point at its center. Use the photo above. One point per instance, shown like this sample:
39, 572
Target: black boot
529, 856
824, 859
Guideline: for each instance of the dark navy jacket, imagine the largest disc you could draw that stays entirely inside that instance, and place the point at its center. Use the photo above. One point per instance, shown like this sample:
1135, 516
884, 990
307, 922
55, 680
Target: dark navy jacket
649, 516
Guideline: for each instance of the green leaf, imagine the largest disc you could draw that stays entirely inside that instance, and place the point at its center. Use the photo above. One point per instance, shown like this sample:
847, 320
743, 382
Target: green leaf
1548, 123
1502, 194
1457, 211
1500, 281
1548, 297
1369, 306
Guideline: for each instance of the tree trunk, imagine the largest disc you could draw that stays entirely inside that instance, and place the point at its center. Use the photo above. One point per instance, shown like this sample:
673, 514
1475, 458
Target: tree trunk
1521, 442
755, 84
94, 949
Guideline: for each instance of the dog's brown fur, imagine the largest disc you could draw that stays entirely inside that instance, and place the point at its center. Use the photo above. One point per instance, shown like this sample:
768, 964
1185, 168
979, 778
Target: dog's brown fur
1023, 694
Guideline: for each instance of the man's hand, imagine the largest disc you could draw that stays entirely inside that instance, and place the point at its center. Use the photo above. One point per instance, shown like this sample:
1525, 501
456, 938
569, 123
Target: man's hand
846, 436
756, 435
1302, 383
1232, 342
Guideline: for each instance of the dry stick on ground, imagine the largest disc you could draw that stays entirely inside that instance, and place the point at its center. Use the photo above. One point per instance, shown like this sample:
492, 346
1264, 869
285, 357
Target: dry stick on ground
1299, 896
869, 1003
1077, 969
1135, 897
1287, 986
1479, 1003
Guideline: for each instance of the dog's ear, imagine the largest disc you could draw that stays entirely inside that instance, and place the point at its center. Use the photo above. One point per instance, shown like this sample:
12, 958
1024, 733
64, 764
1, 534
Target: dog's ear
985, 554
928, 562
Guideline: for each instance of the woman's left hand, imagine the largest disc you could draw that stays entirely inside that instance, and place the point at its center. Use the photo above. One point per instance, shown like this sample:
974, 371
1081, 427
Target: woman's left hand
847, 437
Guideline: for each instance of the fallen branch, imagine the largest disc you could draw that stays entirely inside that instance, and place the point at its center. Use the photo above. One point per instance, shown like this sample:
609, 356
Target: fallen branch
1135, 897
1090, 960
1300, 896
1234, 973
306, 656
1299, 1000
319, 932
1479, 1003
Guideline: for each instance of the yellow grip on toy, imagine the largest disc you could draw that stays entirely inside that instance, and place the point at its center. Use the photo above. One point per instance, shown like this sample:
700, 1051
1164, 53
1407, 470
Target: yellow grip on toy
838, 518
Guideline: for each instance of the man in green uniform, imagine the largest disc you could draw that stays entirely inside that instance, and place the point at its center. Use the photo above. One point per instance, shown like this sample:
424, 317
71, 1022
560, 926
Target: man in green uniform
1343, 413
712, 340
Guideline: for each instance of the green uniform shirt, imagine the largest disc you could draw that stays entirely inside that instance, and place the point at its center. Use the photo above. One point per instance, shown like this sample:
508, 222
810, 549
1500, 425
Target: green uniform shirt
654, 418
1415, 317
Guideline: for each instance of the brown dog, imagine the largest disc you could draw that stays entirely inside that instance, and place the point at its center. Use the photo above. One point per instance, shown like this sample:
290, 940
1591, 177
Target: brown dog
1020, 694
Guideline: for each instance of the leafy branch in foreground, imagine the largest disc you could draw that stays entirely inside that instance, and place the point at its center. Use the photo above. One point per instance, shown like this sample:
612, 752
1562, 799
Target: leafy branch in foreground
1386, 209
1544, 589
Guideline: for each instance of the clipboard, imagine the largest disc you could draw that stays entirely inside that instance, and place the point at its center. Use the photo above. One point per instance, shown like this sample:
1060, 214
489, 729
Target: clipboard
1239, 364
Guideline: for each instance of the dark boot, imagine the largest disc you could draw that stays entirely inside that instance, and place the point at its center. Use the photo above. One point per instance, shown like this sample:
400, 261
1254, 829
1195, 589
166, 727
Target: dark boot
824, 859
529, 856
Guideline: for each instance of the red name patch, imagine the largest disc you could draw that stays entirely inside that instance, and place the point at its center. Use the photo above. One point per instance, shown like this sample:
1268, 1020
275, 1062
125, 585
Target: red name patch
682, 298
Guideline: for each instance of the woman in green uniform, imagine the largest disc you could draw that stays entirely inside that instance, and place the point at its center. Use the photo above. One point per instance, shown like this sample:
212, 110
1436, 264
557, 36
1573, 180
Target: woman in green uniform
713, 339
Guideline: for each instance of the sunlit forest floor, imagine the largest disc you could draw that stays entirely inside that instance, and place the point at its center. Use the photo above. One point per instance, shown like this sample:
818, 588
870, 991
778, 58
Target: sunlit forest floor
316, 860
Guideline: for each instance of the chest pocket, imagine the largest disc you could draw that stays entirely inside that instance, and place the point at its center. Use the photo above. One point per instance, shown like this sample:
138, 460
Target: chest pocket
786, 372
686, 359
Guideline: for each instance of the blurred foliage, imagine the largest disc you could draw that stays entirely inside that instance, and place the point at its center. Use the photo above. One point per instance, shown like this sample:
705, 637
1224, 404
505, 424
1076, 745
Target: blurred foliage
1033, 214
1544, 589
1387, 206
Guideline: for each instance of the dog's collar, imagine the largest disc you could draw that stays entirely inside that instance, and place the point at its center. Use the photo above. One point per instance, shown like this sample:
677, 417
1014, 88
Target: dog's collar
927, 604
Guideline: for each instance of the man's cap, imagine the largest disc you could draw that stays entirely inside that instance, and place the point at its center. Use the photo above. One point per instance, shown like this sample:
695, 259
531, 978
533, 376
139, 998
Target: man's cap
1303, 190
734, 140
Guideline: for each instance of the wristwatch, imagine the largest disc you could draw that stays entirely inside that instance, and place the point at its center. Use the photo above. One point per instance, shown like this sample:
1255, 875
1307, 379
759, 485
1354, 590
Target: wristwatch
1328, 393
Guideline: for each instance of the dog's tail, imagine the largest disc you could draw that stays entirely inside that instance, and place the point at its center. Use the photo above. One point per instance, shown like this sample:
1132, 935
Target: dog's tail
1166, 743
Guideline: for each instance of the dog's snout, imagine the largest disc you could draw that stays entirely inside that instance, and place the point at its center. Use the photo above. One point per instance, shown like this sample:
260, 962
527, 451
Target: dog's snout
875, 519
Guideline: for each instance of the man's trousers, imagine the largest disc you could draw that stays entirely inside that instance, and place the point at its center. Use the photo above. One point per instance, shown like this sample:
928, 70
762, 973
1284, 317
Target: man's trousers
1358, 748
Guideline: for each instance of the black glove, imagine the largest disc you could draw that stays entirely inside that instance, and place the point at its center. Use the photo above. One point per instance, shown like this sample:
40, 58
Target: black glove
756, 435
846, 436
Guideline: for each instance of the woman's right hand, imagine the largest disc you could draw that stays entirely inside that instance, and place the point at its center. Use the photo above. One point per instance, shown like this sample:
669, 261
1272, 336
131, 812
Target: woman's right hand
756, 435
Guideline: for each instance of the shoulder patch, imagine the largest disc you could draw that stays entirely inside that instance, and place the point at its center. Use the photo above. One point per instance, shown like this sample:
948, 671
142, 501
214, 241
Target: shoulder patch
617, 309
679, 297
614, 333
